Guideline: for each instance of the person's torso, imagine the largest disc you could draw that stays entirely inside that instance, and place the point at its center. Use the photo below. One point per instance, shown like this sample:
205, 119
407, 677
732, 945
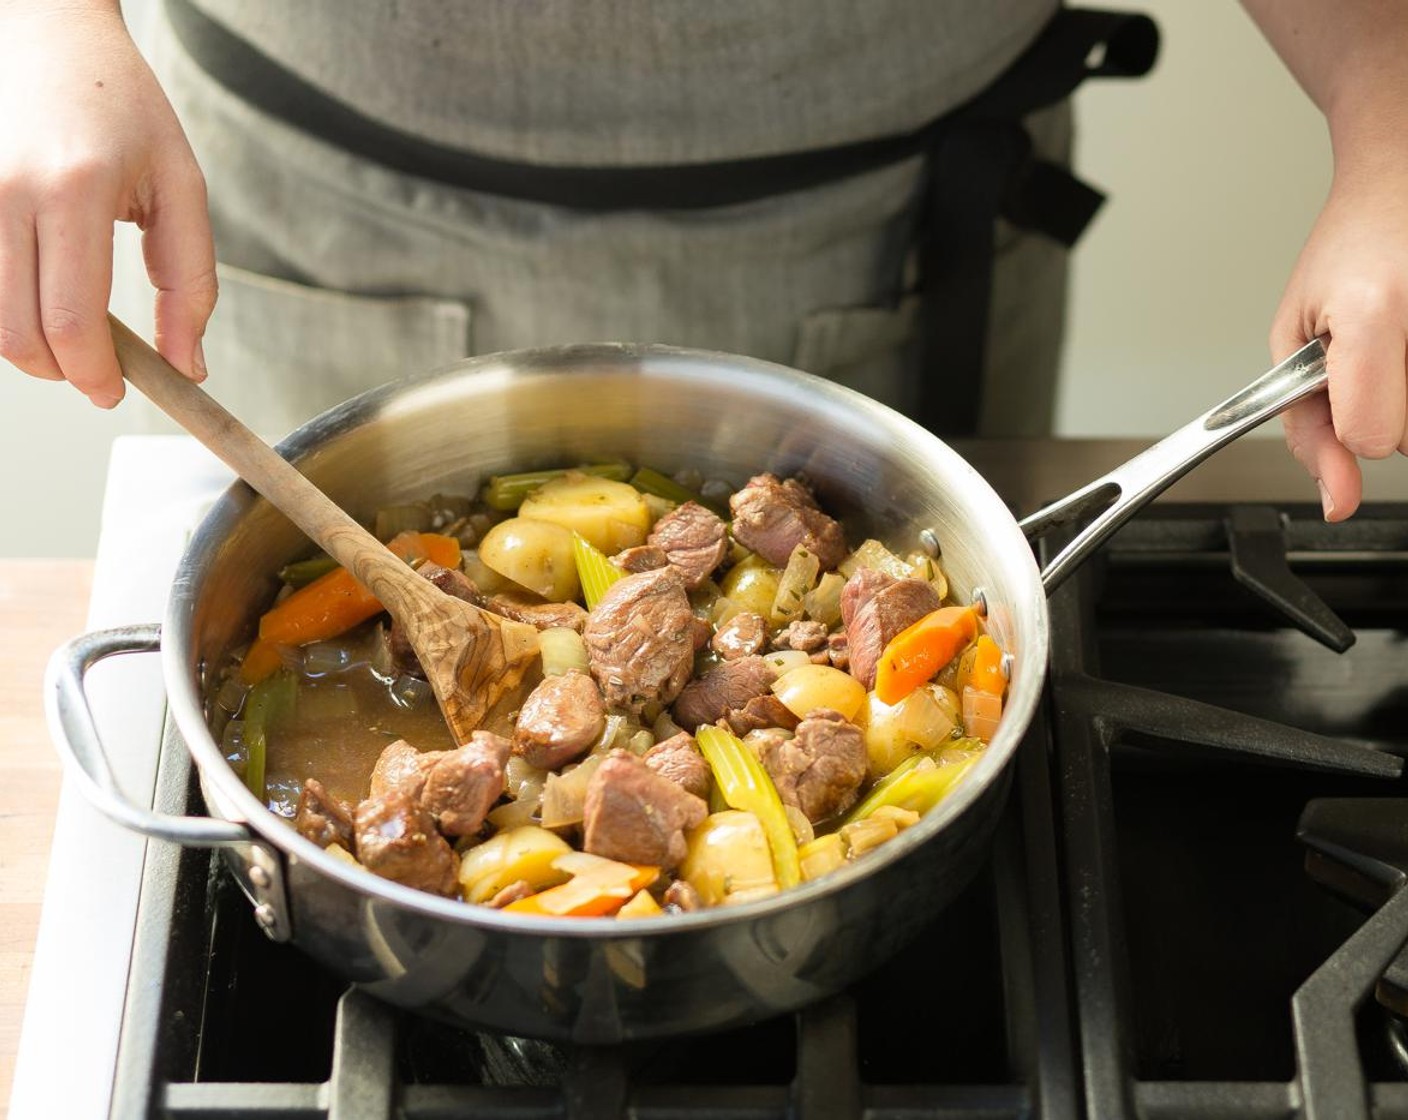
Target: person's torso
608, 82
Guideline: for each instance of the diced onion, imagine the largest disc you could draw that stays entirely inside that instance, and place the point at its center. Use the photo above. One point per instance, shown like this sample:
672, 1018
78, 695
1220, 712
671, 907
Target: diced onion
924, 718
515, 814
903, 818
864, 835
823, 602
785, 660
232, 692
321, 658
562, 650
981, 712
411, 692
801, 826
797, 579
518, 774
822, 856
927, 568
565, 795
664, 726
872, 554
640, 906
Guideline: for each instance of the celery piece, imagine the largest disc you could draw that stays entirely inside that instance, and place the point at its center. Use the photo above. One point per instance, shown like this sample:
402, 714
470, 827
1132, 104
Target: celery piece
881, 790
915, 789
303, 572
271, 700
745, 785
649, 481
594, 570
507, 491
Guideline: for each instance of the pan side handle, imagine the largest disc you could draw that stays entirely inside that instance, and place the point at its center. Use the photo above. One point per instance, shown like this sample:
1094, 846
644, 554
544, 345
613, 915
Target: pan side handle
76, 736
1117, 496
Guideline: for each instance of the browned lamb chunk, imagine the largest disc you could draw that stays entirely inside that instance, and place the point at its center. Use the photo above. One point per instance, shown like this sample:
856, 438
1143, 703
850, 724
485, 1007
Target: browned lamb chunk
640, 640
524, 606
741, 636
462, 786
635, 815
838, 650
772, 518
859, 590
693, 539
725, 687
641, 558
821, 767
760, 712
559, 721
678, 759
877, 617
519, 888
323, 818
401, 766
396, 839
679, 895
804, 634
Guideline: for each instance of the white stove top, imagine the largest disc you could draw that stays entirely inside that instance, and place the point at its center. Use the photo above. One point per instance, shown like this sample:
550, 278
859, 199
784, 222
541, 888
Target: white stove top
158, 489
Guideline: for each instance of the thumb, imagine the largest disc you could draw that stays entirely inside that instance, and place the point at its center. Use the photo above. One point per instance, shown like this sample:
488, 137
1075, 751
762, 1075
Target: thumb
180, 256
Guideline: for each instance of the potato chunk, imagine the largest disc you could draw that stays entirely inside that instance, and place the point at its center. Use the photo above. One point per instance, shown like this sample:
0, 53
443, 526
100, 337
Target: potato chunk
610, 515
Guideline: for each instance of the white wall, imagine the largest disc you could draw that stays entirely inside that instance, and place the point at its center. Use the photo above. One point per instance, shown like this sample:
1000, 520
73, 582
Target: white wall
1216, 166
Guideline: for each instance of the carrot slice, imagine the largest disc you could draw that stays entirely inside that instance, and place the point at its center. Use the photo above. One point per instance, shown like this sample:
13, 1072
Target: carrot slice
334, 603
588, 895
916, 653
261, 660
986, 673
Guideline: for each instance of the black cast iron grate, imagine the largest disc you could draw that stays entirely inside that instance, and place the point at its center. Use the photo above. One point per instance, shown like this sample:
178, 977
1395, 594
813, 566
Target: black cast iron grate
1212, 977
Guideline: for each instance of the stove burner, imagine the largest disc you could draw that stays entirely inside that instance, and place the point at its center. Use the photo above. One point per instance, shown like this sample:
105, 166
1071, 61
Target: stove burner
1358, 848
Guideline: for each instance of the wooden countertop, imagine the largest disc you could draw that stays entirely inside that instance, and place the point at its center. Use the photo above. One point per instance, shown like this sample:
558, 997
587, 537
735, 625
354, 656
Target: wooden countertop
42, 604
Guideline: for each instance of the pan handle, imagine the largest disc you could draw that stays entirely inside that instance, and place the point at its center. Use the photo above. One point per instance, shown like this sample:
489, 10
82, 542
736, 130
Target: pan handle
76, 736
1117, 496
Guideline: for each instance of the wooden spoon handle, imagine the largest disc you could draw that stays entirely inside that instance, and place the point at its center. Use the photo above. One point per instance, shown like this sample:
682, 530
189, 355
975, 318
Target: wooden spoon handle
270, 474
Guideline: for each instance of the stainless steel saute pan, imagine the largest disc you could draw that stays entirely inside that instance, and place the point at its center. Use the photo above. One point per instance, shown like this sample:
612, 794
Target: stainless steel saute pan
602, 980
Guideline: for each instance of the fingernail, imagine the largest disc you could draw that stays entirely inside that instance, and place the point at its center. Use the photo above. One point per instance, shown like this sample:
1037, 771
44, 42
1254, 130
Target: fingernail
104, 400
198, 362
1326, 502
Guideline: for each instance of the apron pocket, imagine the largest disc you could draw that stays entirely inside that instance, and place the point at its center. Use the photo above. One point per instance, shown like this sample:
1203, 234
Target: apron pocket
279, 352
869, 349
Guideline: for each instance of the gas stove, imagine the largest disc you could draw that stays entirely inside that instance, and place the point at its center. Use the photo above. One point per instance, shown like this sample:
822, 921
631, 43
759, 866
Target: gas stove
1191, 906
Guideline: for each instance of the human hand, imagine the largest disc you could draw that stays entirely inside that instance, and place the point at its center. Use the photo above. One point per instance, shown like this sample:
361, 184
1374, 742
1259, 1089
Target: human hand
91, 139
1351, 282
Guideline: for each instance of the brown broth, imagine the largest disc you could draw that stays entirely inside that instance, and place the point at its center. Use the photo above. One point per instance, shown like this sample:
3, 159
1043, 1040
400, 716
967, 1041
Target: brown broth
340, 725
343, 719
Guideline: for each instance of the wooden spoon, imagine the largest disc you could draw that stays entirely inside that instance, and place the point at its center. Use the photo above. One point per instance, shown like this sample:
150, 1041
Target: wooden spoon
471, 657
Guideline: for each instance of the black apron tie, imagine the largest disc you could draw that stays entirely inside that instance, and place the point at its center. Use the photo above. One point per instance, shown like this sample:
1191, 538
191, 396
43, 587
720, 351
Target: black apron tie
982, 168
979, 167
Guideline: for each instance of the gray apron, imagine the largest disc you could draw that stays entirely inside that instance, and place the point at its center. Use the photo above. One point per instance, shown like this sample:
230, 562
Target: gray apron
338, 273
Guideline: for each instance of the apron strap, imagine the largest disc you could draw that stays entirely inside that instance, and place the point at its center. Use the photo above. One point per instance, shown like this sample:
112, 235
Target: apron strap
982, 169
